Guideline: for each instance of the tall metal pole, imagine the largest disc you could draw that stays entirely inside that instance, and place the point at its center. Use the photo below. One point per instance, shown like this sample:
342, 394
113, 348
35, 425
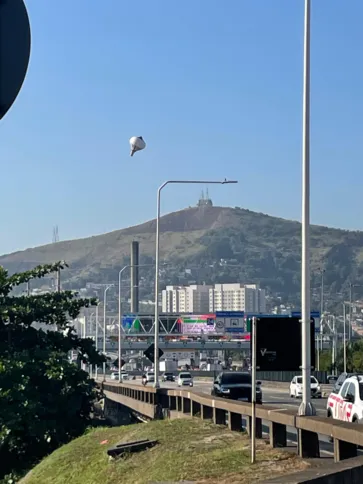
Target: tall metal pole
334, 349
58, 280
120, 321
120, 313
96, 336
306, 407
254, 369
344, 341
157, 253
156, 318
350, 312
320, 336
104, 328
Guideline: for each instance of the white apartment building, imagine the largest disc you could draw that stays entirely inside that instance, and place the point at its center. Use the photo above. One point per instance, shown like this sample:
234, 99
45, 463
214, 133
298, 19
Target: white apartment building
237, 297
208, 299
185, 299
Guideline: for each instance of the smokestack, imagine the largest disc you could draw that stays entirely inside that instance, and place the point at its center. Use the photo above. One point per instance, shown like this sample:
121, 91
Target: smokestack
134, 277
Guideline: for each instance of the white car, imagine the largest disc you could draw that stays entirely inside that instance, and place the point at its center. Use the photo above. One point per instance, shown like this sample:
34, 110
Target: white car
150, 377
114, 375
296, 387
185, 379
347, 404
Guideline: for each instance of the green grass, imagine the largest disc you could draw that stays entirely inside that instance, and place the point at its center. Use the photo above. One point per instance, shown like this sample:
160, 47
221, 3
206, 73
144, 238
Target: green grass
188, 450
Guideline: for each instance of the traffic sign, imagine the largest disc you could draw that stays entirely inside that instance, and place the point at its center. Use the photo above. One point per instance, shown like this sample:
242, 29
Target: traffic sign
150, 353
115, 363
278, 344
14, 51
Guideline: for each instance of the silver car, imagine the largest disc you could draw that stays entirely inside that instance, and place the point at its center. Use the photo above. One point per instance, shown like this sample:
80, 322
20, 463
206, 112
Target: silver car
185, 379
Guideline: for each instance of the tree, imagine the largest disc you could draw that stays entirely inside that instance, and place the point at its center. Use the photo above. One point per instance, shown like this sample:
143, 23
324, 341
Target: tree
45, 400
354, 357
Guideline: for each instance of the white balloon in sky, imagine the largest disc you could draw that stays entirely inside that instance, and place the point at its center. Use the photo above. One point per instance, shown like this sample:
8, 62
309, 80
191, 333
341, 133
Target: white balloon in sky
136, 144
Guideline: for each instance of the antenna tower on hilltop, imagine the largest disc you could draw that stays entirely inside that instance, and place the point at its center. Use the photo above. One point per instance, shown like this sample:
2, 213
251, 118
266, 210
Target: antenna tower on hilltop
55, 234
205, 201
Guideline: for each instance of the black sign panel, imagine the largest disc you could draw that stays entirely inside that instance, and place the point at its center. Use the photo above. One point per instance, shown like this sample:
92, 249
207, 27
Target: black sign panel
150, 352
278, 342
14, 51
115, 363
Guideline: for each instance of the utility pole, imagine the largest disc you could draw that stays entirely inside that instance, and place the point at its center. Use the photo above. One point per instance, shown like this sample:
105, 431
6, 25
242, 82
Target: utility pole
334, 349
58, 280
306, 407
344, 340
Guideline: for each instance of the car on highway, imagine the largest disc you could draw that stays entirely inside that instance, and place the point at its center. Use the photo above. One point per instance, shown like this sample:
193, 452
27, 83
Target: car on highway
124, 375
347, 404
185, 379
236, 385
296, 387
150, 377
168, 376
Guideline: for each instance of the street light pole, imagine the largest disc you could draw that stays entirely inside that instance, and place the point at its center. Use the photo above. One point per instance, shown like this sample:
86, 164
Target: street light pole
96, 336
157, 254
344, 341
350, 311
104, 327
120, 311
306, 407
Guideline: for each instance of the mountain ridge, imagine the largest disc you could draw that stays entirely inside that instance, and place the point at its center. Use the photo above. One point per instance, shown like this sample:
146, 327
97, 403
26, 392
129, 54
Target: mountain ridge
264, 249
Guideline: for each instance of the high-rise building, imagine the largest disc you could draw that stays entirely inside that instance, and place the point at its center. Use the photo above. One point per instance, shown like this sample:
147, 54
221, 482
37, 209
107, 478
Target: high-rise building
237, 297
220, 297
185, 299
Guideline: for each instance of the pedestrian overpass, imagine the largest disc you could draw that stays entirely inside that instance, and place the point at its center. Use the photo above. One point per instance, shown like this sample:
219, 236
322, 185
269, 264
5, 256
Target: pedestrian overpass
187, 345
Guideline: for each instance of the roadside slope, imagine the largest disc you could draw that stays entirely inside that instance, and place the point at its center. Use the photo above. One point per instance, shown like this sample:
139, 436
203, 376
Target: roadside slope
188, 449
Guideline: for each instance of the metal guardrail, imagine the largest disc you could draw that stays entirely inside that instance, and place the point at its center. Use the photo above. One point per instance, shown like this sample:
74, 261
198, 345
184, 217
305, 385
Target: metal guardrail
170, 403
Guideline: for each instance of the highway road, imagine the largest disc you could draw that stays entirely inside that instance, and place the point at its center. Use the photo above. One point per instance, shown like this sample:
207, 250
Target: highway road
271, 396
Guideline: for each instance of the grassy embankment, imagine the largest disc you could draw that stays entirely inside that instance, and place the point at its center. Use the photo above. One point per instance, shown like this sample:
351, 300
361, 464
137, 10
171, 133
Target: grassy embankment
190, 450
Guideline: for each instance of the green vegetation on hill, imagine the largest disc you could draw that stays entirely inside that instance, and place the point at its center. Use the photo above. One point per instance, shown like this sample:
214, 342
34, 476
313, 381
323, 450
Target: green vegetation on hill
254, 248
189, 449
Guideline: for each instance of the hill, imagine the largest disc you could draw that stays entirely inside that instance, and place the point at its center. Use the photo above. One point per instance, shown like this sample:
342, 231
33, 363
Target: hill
202, 452
215, 244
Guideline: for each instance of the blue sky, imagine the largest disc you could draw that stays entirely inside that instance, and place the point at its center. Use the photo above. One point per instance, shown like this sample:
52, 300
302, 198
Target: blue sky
215, 89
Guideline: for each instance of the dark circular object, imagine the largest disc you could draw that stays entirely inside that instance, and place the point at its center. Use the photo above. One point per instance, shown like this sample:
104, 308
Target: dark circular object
15, 40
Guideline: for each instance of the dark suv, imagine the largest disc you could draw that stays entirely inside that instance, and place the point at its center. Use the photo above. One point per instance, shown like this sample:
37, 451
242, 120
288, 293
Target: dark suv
236, 385
168, 376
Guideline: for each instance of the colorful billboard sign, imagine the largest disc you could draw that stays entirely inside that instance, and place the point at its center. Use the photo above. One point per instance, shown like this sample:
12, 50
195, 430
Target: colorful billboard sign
198, 328
131, 321
208, 319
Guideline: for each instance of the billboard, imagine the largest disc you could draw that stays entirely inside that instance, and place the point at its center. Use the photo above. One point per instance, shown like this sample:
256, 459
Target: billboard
230, 321
198, 328
198, 324
208, 319
131, 322
278, 344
